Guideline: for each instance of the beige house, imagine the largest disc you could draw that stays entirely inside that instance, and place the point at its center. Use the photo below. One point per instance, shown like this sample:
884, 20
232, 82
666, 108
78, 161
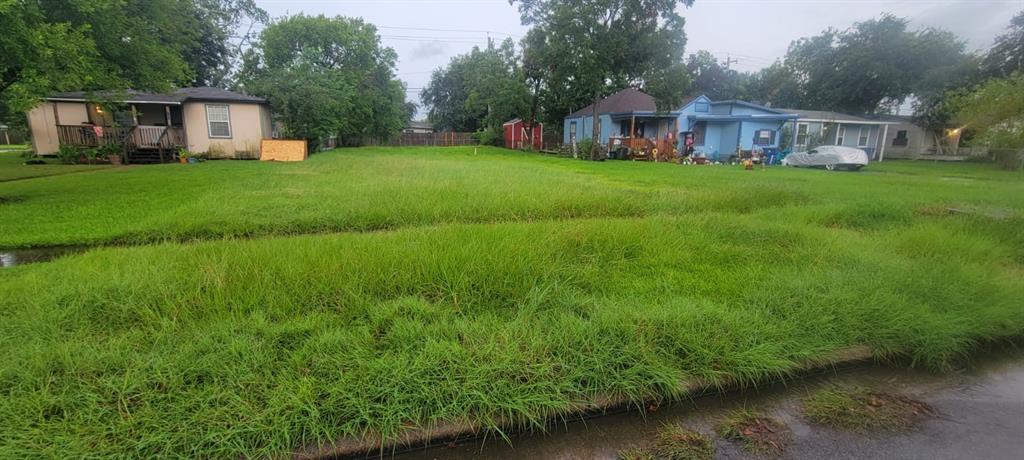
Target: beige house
151, 127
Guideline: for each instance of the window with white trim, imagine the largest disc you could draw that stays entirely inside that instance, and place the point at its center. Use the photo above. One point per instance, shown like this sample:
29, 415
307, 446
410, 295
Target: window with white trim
701, 107
841, 135
218, 120
764, 137
862, 137
801, 134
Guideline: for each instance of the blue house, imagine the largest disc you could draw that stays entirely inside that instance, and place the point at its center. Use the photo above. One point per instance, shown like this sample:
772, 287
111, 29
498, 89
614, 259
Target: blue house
816, 127
721, 128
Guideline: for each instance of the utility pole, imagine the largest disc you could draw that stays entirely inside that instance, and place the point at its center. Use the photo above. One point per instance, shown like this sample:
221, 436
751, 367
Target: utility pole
729, 61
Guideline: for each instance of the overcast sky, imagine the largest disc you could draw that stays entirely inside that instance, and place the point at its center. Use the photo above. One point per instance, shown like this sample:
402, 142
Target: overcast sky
427, 33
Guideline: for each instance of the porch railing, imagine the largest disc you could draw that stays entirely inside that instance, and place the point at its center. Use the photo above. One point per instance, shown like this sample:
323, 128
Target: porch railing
642, 148
130, 137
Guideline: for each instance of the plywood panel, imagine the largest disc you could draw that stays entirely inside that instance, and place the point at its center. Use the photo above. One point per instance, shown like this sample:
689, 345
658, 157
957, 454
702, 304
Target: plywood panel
282, 150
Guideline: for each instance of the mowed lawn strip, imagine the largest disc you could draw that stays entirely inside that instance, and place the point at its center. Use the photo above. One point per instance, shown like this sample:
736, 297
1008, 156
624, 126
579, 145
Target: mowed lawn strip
388, 188
13, 167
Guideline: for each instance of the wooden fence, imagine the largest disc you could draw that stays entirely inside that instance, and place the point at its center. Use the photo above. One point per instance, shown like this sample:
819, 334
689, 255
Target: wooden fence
446, 139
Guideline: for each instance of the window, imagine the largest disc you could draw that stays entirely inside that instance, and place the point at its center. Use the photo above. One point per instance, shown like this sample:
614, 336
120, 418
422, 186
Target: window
699, 131
901, 139
624, 128
801, 134
862, 136
841, 135
572, 131
764, 137
218, 120
701, 107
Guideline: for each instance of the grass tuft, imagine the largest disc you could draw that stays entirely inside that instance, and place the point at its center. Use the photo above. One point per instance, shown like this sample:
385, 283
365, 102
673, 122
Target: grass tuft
636, 453
862, 410
757, 432
674, 442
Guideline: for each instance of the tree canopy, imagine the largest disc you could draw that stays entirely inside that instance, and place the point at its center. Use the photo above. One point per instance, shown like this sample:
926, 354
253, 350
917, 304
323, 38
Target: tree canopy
478, 91
327, 76
994, 111
51, 45
582, 50
1007, 54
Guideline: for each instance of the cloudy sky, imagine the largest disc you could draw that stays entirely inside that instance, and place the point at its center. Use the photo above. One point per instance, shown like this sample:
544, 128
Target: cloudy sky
427, 33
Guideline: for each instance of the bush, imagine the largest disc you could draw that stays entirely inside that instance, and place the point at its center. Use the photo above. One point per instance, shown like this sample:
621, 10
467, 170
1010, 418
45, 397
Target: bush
68, 154
583, 148
105, 151
490, 136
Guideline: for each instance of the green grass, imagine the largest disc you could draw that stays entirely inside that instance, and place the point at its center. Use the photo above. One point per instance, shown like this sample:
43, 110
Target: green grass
507, 287
862, 410
12, 166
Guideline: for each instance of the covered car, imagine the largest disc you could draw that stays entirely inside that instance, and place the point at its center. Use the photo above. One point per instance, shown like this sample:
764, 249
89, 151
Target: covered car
830, 157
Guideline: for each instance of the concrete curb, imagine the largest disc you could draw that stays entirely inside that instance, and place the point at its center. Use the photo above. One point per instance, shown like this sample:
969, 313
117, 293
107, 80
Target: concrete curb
419, 437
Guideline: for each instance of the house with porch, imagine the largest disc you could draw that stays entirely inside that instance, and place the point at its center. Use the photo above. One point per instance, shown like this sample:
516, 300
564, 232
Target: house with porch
813, 128
151, 127
721, 129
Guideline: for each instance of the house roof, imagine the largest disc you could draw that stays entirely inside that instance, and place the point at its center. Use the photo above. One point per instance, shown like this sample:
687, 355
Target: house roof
178, 96
627, 100
751, 105
826, 115
420, 125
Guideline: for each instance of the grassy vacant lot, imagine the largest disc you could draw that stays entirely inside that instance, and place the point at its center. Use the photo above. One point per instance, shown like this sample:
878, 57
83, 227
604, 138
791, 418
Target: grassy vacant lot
507, 286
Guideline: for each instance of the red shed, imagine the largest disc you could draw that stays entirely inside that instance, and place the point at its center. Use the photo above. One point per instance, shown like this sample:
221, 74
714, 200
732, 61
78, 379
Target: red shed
517, 134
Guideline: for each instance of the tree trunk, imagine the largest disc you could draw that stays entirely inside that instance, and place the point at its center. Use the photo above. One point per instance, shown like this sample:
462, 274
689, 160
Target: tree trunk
533, 114
595, 137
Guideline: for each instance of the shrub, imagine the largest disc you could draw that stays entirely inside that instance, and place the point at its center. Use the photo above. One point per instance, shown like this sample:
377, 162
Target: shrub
583, 148
489, 136
68, 154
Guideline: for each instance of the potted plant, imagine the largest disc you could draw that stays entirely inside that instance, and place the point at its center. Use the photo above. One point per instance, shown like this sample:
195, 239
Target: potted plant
183, 155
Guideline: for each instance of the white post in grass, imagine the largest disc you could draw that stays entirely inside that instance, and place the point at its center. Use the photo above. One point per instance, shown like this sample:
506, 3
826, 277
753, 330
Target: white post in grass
885, 139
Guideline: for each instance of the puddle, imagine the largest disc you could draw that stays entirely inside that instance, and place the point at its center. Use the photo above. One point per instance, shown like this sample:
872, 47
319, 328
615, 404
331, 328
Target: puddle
980, 409
14, 257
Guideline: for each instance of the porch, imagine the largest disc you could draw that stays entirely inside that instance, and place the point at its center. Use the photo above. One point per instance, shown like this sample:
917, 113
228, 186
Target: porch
139, 143
645, 135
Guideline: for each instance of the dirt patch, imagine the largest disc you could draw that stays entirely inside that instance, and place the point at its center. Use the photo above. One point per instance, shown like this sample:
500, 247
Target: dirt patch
673, 442
758, 432
861, 410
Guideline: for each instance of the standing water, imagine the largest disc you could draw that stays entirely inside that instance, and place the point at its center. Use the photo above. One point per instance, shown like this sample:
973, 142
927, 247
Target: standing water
14, 257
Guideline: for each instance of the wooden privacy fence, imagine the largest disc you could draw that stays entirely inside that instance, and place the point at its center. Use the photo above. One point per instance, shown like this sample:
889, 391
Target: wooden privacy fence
446, 139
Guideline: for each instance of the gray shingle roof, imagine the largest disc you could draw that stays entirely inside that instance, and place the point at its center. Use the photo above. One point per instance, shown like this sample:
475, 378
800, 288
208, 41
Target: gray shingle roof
204, 93
824, 115
627, 100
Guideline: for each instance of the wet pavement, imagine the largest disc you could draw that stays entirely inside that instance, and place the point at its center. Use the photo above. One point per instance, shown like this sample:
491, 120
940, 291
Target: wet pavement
15, 257
981, 417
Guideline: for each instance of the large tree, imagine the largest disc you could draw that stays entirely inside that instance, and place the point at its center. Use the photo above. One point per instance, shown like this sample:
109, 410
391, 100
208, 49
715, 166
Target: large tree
590, 48
478, 91
873, 66
1007, 54
994, 111
713, 79
51, 45
327, 76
